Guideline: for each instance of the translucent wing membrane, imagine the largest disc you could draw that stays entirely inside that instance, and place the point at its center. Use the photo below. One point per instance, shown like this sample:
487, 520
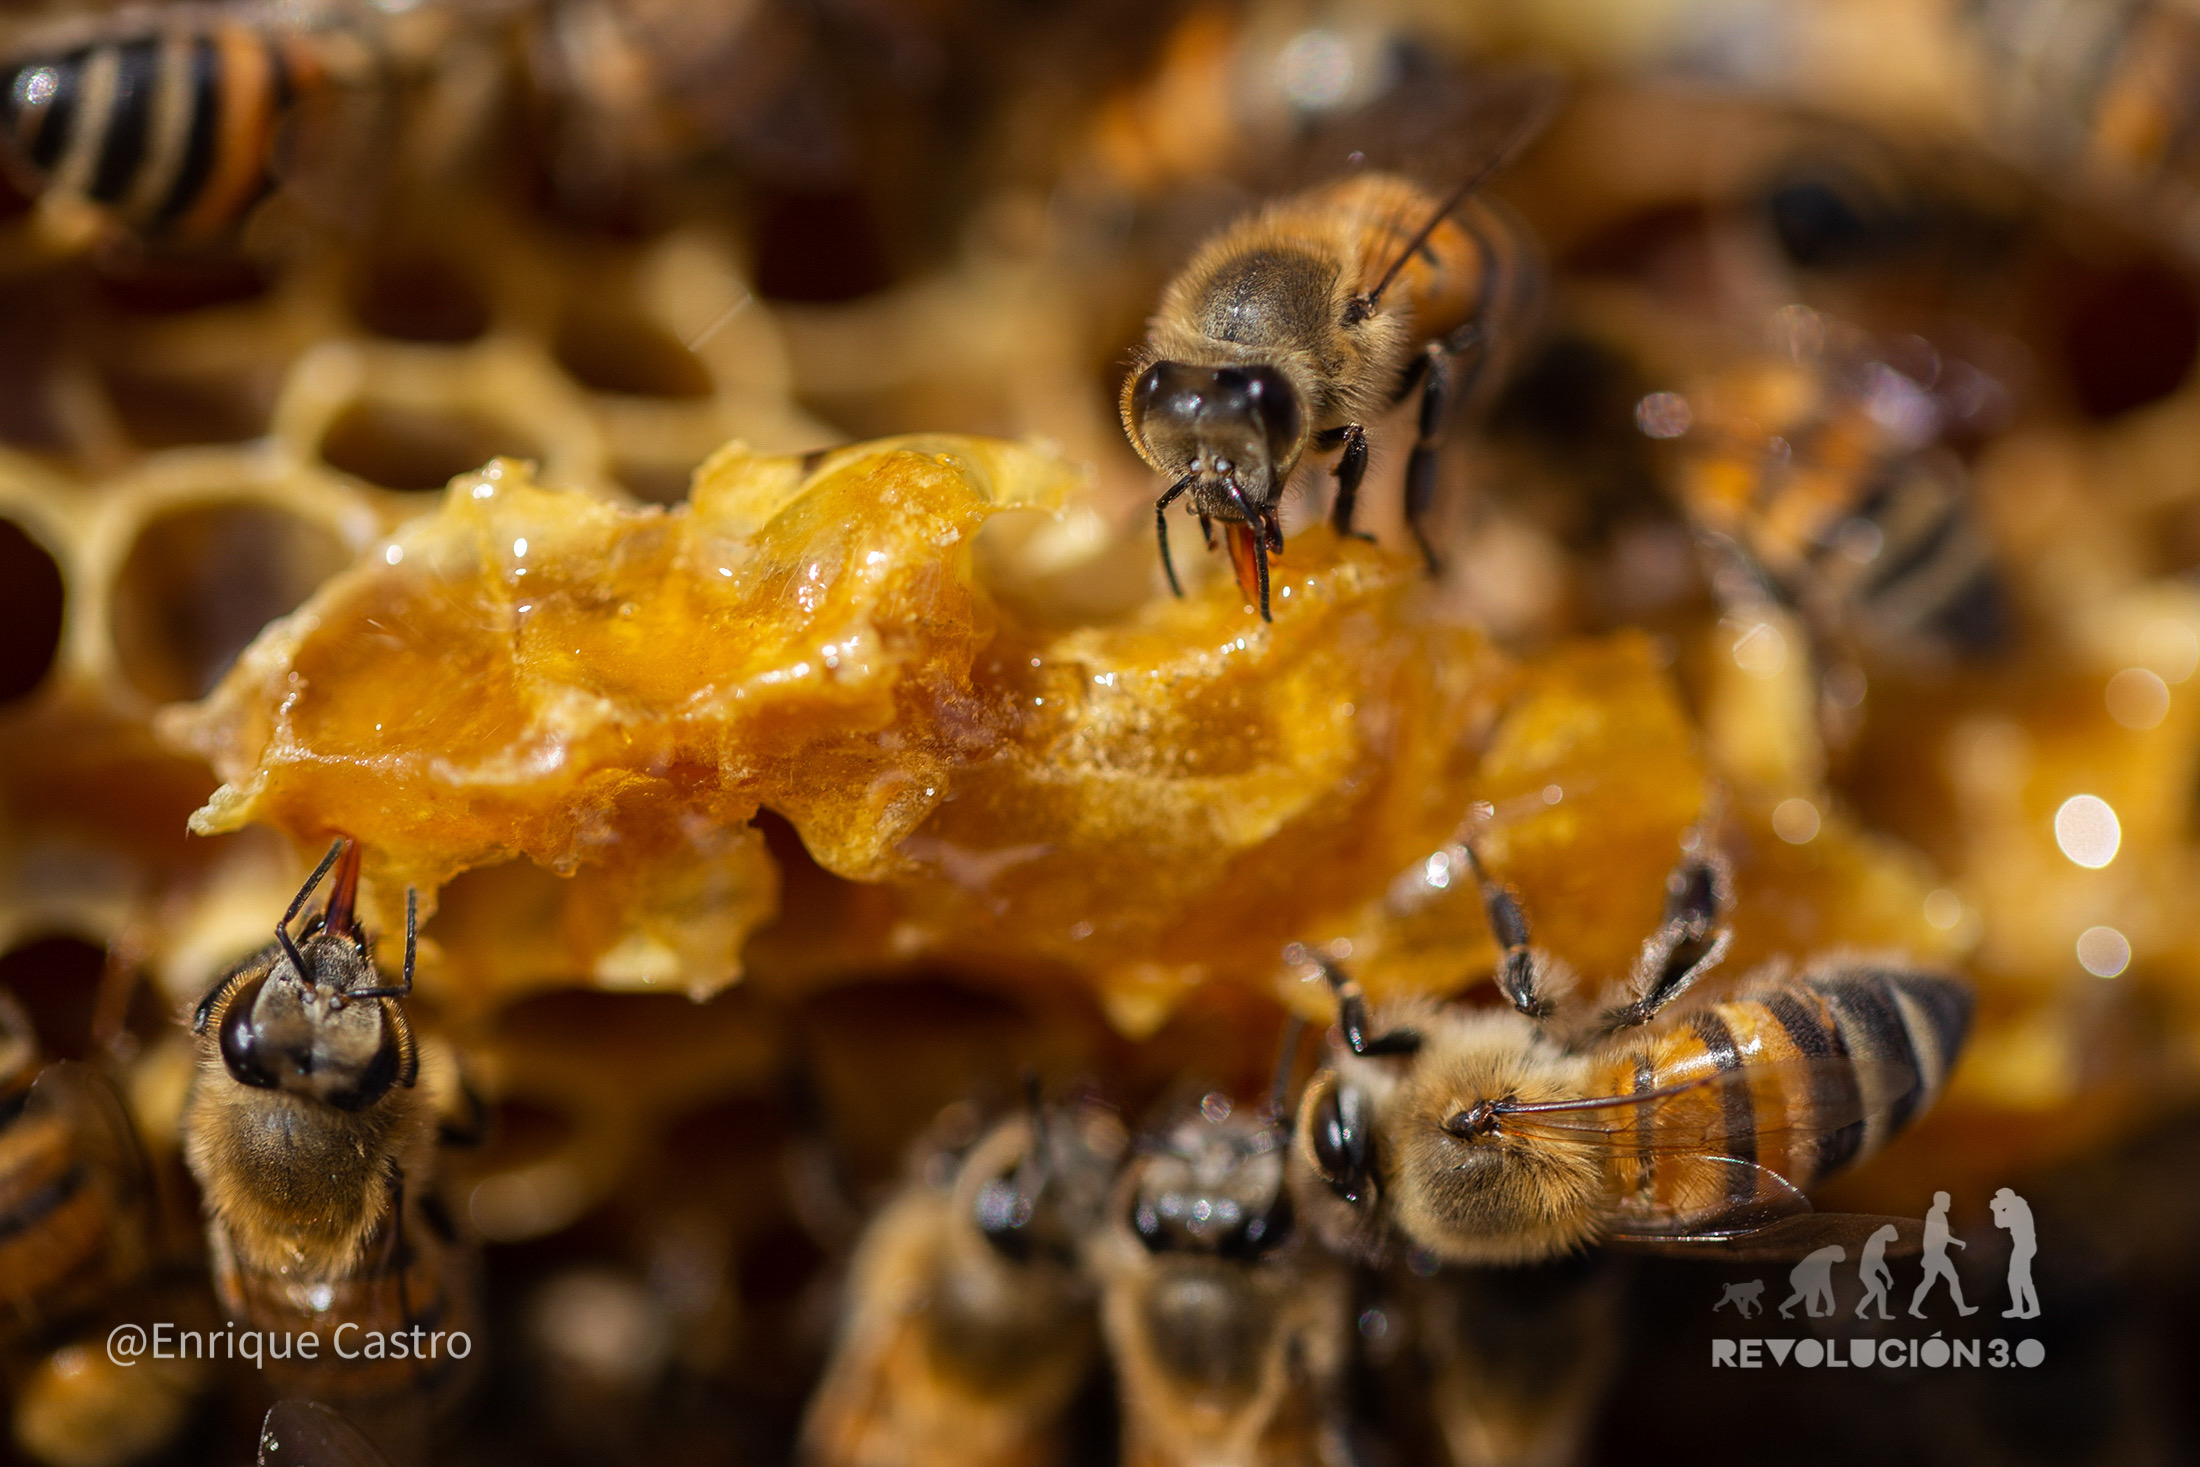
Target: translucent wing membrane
1706, 1197
1785, 1240
1783, 1099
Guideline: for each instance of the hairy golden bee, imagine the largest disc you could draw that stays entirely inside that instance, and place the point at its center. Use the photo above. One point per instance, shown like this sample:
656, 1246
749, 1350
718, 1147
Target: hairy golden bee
73, 1187
1293, 328
1225, 1323
969, 1324
174, 122
315, 1150
1495, 1137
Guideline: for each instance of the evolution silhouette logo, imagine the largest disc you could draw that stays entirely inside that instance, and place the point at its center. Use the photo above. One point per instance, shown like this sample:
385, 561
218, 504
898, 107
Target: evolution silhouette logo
1812, 1286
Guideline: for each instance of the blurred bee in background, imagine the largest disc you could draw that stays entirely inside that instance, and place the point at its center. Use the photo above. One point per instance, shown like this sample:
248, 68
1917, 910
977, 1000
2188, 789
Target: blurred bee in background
1482, 1136
1226, 1325
172, 123
1294, 327
308, 1434
969, 1325
315, 1150
1822, 480
74, 1192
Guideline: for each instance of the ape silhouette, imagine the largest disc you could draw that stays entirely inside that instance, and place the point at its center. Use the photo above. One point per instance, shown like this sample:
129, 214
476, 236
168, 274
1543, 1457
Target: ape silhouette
1872, 1268
1813, 1281
1747, 1298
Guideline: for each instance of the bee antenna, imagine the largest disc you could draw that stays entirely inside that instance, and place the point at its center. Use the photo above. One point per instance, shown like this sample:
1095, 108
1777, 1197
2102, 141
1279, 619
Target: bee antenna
1363, 306
282, 928
1287, 1060
412, 929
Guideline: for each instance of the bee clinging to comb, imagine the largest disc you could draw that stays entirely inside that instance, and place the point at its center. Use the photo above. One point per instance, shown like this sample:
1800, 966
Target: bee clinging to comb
1293, 328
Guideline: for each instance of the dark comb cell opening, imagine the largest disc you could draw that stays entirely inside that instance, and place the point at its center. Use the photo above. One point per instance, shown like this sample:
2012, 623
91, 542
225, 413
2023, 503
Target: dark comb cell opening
2130, 338
162, 410
410, 448
609, 351
420, 297
200, 583
31, 595
820, 248
57, 981
654, 483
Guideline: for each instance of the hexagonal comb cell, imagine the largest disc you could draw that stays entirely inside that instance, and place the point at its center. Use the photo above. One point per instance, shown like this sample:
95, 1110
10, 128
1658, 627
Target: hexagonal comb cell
401, 447
617, 352
199, 583
419, 296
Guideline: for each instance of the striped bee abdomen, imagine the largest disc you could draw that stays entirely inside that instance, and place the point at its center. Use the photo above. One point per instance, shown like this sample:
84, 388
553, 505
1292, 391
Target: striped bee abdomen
1830, 1064
173, 131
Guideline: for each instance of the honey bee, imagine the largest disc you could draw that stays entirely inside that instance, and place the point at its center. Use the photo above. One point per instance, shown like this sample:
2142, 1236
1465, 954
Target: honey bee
315, 1151
970, 1324
1495, 1137
1823, 483
1225, 1323
308, 1434
1294, 327
74, 1192
174, 122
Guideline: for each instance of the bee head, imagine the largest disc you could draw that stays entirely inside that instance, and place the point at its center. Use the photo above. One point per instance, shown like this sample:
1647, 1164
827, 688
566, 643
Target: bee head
1213, 1183
1033, 1185
308, 1036
1417, 1149
1235, 432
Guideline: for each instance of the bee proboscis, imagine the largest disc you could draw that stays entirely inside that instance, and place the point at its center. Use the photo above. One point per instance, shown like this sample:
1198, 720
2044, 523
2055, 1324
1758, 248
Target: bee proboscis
1493, 1136
1292, 329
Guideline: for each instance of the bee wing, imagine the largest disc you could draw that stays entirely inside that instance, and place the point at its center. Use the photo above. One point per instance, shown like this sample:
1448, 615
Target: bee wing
1817, 1096
1789, 1238
1433, 120
308, 1434
1706, 1197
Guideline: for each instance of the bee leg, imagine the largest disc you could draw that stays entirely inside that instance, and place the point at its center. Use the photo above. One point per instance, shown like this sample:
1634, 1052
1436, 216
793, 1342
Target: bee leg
1259, 537
412, 944
1161, 529
1207, 529
1688, 943
1352, 1016
1421, 465
1516, 974
1351, 469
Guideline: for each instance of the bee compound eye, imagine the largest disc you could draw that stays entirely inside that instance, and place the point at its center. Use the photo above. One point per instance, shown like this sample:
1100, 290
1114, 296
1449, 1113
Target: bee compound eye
1276, 403
240, 1041
1339, 1141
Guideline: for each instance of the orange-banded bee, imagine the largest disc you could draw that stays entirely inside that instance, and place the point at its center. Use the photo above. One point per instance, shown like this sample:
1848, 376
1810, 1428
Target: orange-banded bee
1488, 1136
1824, 483
969, 1325
74, 1192
1294, 327
315, 1151
175, 121
1225, 1323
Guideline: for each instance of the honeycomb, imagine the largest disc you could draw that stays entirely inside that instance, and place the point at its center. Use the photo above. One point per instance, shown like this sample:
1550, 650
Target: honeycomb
680, 528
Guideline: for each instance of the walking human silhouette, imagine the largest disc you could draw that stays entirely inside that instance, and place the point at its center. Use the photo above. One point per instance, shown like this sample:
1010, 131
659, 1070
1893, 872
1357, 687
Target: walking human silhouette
1937, 1265
1813, 1281
2014, 1213
1872, 1268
